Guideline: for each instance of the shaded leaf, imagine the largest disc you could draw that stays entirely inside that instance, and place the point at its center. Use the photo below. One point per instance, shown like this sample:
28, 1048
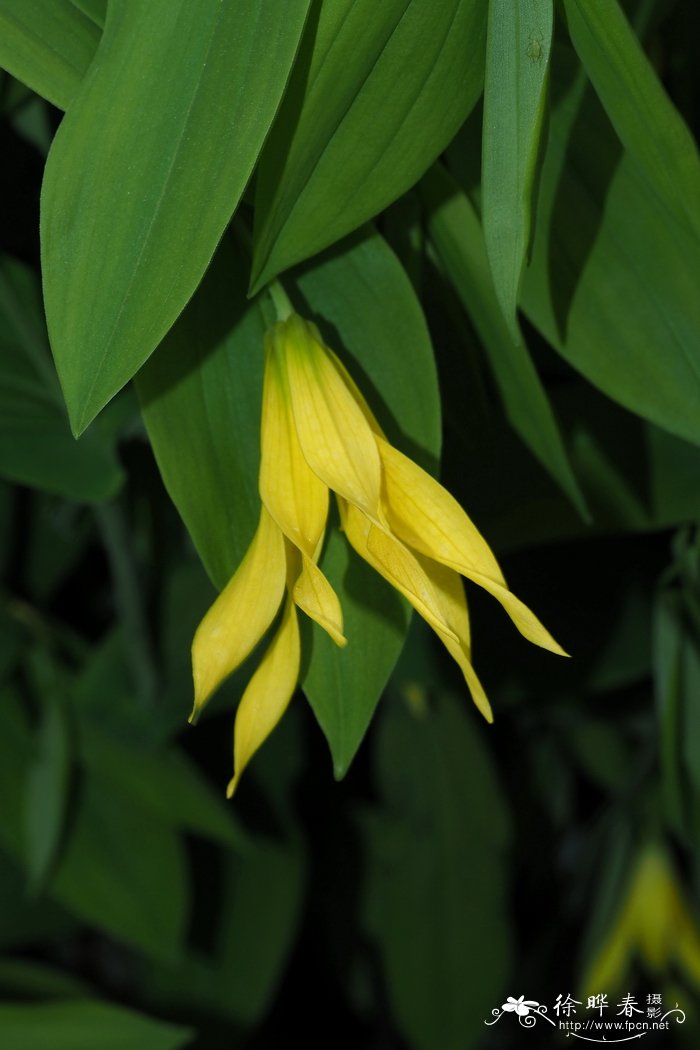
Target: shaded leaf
607, 286
648, 124
86, 1025
436, 886
36, 445
377, 93
456, 232
49, 775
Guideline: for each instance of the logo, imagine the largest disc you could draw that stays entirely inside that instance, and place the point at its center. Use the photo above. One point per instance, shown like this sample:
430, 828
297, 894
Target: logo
599, 1021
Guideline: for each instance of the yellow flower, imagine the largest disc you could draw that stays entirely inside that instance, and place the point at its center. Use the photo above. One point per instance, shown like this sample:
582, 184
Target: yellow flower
318, 435
654, 923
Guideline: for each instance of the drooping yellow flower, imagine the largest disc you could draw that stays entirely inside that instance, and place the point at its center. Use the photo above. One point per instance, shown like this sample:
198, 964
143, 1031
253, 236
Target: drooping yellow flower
318, 435
654, 924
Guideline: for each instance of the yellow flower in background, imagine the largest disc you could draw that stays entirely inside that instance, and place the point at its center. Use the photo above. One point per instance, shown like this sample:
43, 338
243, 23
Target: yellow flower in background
654, 924
318, 435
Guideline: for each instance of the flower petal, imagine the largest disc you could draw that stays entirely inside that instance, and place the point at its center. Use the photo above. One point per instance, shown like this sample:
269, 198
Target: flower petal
428, 518
241, 614
396, 564
313, 593
425, 516
449, 590
267, 695
295, 497
523, 618
336, 439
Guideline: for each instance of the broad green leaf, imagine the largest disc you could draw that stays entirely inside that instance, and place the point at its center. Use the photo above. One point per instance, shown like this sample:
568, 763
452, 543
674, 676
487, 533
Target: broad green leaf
49, 775
608, 286
518, 46
435, 893
163, 133
648, 124
457, 235
343, 688
364, 296
86, 1025
36, 445
47, 44
200, 395
377, 93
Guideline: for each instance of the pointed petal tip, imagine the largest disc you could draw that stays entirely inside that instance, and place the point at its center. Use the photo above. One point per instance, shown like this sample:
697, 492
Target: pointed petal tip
231, 786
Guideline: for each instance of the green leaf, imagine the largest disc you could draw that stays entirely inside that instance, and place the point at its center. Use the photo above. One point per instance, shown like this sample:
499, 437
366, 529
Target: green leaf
36, 445
436, 887
515, 94
163, 133
86, 1025
377, 93
648, 124
343, 688
200, 395
457, 235
608, 286
47, 44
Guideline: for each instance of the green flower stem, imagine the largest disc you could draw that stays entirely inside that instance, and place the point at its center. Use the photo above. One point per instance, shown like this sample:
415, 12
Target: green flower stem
280, 300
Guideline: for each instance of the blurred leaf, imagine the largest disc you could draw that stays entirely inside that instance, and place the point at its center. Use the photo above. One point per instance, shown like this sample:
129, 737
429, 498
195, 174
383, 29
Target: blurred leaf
677, 689
436, 883
377, 93
647, 122
164, 120
32, 121
20, 978
48, 779
57, 535
24, 921
47, 44
36, 446
86, 1025
122, 869
601, 751
164, 784
608, 286
518, 45
262, 894
456, 232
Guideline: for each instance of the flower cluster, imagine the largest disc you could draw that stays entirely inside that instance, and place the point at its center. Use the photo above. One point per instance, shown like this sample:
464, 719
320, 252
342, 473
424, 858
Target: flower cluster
318, 435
